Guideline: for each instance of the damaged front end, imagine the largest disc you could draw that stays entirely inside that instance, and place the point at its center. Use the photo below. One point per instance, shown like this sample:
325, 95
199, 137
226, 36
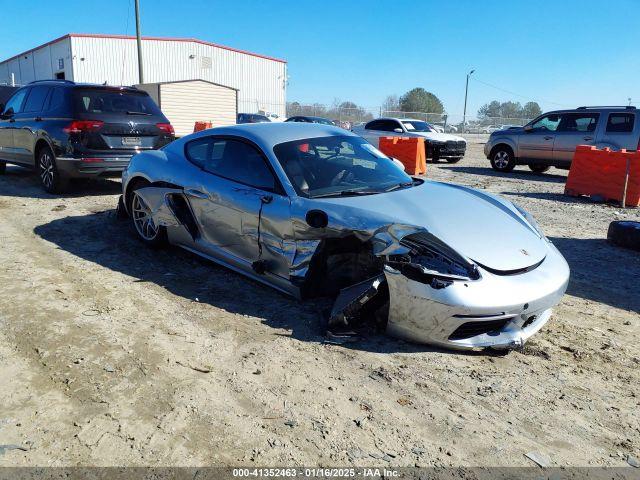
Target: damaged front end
429, 293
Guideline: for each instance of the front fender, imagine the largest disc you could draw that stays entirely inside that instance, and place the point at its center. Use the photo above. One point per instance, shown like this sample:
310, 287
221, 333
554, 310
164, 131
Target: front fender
501, 140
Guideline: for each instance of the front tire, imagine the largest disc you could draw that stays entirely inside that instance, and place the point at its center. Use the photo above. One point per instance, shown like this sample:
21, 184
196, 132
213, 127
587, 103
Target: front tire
50, 177
454, 159
537, 168
150, 233
502, 159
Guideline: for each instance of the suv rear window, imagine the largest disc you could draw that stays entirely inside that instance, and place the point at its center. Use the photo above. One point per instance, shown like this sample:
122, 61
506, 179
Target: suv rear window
101, 100
620, 122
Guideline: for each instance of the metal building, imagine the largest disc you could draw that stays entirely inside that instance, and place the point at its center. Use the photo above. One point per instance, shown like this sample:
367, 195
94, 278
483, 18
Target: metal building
261, 81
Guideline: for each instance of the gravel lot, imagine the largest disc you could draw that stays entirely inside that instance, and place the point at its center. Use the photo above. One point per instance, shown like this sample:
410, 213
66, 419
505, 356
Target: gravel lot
112, 354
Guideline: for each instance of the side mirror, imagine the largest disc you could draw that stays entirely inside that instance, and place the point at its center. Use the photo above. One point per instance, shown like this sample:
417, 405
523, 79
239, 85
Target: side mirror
8, 114
397, 130
528, 128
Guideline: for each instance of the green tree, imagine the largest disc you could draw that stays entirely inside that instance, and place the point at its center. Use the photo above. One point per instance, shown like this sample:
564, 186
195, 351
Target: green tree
511, 110
490, 110
419, 100
531, 110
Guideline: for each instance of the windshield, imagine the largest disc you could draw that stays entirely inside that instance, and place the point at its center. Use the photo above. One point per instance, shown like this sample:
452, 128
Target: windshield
102, 100
338, 165
417, 126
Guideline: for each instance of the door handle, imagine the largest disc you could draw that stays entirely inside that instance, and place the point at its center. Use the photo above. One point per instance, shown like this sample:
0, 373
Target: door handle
548, 137
196, 193
38, 119
12, 120
588, 138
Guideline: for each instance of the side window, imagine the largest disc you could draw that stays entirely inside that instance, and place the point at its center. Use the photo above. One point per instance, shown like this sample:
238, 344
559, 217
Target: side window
233, 160
579, 122
389, 125
373, 125
35, 100
56, 99
548, 123
198, 151
621, 122
15, 102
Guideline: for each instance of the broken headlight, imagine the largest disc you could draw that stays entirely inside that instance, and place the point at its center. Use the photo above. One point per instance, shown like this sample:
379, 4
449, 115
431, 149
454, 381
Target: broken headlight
530, 220
429, 257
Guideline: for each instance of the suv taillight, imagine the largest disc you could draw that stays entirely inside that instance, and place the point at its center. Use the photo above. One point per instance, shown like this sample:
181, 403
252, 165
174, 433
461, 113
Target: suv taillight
166, 128
79, 126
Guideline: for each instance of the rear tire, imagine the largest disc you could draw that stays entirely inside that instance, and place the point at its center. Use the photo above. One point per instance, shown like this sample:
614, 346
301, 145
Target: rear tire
502, 159
151, 234
537, 168
50, 177
624, 234
454, 159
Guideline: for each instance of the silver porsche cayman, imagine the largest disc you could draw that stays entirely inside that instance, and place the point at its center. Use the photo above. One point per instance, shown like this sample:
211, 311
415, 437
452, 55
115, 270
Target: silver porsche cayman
314, 210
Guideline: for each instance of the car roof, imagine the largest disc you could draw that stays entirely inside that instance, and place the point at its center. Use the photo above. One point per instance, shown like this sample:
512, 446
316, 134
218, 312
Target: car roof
266, 135
397, 119
629, 109
70, 84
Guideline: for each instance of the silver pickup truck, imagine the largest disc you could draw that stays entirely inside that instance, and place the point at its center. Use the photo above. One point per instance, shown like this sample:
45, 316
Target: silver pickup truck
551, 139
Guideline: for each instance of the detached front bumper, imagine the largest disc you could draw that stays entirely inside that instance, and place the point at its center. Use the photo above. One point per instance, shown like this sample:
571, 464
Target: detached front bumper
92, 166
450, 149
495, 311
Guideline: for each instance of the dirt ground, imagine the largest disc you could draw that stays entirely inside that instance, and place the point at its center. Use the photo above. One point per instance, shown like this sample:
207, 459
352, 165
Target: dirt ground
113, 354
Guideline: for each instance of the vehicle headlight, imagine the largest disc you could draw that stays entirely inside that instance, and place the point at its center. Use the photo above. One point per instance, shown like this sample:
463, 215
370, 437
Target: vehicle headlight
530, 220
429, 257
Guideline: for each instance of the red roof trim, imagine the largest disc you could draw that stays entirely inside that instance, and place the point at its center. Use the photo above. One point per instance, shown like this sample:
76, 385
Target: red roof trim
36, 48
128, 37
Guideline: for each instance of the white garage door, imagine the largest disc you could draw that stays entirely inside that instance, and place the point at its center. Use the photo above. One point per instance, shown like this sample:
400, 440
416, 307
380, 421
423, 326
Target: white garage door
185, 103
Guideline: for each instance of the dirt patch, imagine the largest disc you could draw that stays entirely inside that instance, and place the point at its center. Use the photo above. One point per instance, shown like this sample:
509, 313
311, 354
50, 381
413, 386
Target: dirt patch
113, 354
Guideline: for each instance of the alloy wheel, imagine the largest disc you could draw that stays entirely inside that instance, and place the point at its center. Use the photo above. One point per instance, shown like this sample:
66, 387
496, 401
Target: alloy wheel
501, 159
142, 219
47, 171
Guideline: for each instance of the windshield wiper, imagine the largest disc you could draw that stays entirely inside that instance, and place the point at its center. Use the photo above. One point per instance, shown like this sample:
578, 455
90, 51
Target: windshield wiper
140, 113
398, 186
345, 193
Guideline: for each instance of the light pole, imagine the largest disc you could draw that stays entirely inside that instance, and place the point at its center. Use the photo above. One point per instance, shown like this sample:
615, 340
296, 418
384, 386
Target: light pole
466, 92
139, 41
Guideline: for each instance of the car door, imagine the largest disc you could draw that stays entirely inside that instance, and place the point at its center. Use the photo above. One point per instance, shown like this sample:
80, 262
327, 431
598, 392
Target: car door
239, 204
27, 123
7, 122
536, 144
621, 131
574, 129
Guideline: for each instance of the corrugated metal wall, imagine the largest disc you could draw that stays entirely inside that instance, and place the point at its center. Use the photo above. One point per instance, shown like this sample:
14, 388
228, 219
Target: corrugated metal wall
185, 103
261, 82
39, 64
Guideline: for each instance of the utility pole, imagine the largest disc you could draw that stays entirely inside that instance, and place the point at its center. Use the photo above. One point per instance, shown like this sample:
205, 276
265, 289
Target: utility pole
466, 92
139, 40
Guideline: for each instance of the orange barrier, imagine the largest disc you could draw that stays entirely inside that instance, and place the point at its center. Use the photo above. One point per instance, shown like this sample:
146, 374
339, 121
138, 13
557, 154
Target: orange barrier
201, 126
410, 151
602, 174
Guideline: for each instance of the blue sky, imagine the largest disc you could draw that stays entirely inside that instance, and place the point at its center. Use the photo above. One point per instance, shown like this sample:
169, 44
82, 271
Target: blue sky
559, 53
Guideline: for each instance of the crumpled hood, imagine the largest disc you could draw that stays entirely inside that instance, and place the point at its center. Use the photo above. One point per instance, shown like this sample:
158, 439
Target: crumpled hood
480, 226
439, 137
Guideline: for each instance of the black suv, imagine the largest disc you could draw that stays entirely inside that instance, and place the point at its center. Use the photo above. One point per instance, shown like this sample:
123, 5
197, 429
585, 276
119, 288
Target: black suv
71, 130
